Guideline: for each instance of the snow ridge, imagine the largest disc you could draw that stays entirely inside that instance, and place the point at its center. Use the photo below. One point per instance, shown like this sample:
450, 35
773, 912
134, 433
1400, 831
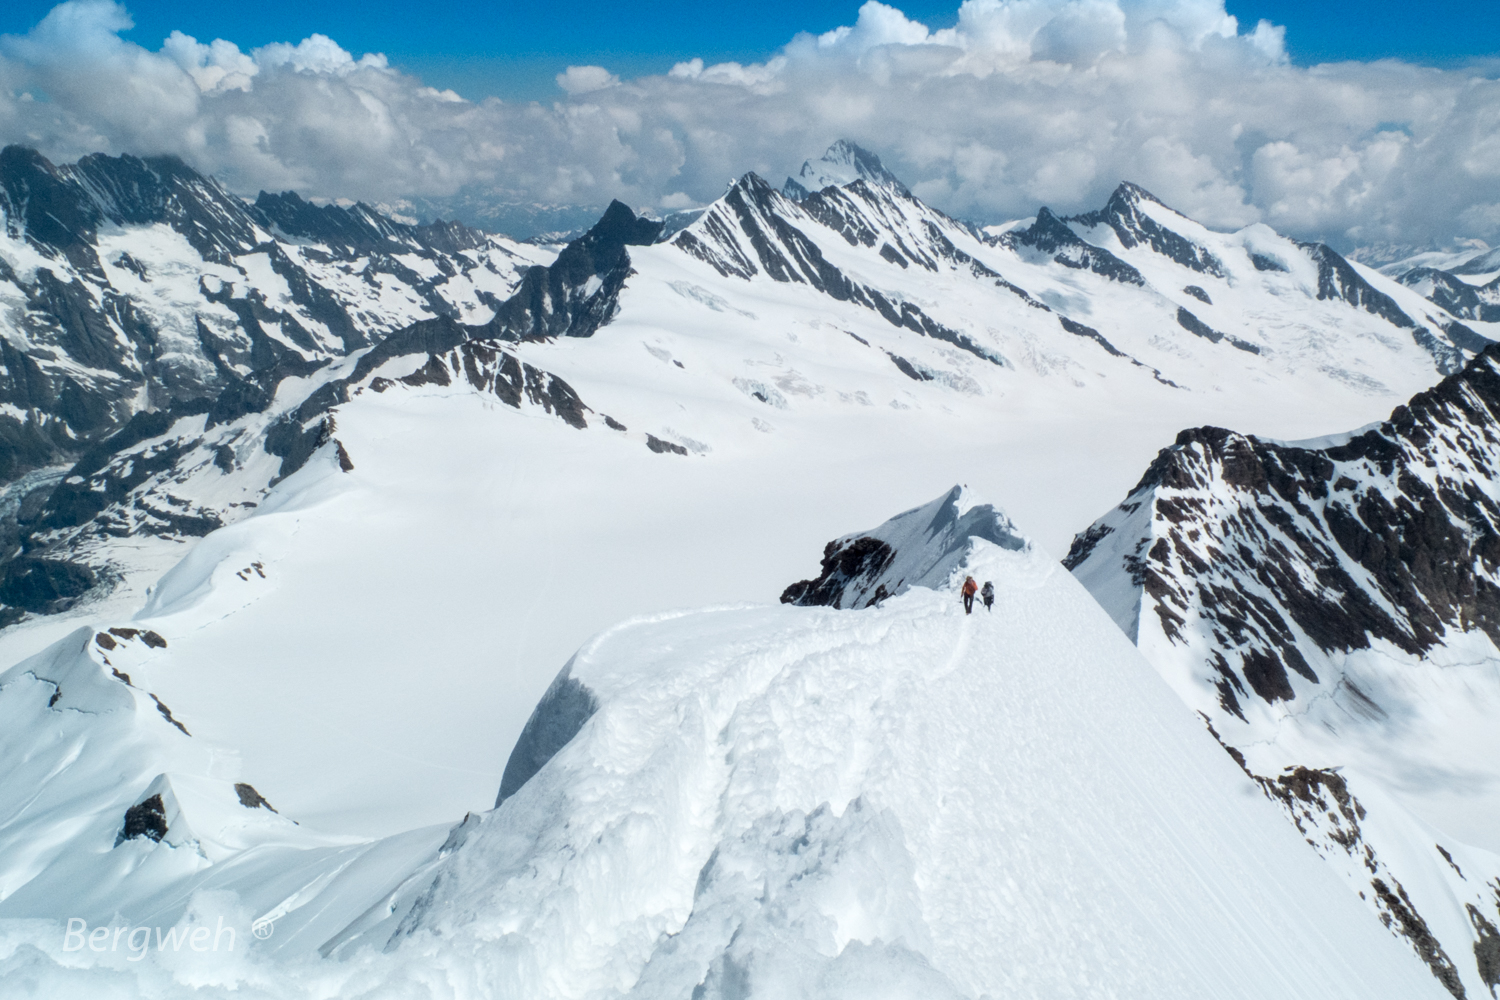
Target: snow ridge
927, 546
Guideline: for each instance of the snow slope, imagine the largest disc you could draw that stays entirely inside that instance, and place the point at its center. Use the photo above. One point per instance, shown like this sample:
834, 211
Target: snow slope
897, 801
1330, 608
762, 412
382, 557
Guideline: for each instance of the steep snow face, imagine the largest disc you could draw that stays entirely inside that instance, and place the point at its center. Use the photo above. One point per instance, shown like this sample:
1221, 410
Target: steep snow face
904, 799
920, 548
1335, 604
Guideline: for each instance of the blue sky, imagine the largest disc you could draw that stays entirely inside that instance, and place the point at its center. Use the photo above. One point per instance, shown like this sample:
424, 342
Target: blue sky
514, 49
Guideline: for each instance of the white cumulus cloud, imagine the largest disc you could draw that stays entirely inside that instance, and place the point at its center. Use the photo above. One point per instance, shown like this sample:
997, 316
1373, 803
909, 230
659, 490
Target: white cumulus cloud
1021, 103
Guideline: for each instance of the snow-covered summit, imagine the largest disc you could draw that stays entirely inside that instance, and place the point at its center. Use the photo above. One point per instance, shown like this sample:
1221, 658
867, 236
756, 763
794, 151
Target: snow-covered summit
923, 547
907, 801
843, 163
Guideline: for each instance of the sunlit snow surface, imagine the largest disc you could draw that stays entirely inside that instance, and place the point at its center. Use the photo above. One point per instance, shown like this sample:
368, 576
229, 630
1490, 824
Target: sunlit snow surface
473, 547
365, 647
802, 802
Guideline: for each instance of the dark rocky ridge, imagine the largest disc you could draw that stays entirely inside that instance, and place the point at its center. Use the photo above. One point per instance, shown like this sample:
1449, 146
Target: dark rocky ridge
1460, 298
1052, 235
120, 485
561, 300
1398, 517
75, 317
1134, 227
1257, 565
763, 218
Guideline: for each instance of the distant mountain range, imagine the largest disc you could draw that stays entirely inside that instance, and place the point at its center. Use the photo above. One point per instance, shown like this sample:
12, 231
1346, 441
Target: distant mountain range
252, 448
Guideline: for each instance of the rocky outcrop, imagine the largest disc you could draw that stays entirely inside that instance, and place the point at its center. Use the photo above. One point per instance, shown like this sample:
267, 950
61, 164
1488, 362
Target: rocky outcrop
1306, 598
579, 292
1051, 235
1133, 226
923, 547
1391, 535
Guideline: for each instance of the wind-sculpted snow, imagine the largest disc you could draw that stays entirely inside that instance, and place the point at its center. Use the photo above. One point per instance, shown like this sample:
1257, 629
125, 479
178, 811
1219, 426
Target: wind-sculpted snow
1319, 603
923, 547
805, 802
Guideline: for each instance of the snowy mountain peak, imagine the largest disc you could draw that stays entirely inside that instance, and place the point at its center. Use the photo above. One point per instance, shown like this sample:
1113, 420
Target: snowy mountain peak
922, 547
1139, 218
579, 291
843, 163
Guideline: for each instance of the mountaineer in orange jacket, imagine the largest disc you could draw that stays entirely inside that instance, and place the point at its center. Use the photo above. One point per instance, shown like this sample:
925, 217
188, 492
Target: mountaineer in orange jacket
970, 589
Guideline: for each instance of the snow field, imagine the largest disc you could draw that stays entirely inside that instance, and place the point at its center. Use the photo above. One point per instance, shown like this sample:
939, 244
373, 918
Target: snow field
790, 802
801, 802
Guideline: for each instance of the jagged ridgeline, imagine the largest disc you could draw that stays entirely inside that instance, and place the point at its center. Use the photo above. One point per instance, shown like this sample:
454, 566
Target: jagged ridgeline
1332, 604
138, 284
153, 322
139, 293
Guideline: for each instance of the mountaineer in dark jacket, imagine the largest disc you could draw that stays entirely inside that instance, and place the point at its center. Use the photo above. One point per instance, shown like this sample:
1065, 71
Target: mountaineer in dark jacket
988, 595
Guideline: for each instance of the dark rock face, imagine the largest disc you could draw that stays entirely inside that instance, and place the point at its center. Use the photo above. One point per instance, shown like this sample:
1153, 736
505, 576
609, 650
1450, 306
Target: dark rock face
1192, 324
860, 559
250, 798
147, 819
557, 718
43, 586
1198, 294
1051, 235
579, 292
1391, 535
1134, 227
1486, 948
661, 447
1338, 280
